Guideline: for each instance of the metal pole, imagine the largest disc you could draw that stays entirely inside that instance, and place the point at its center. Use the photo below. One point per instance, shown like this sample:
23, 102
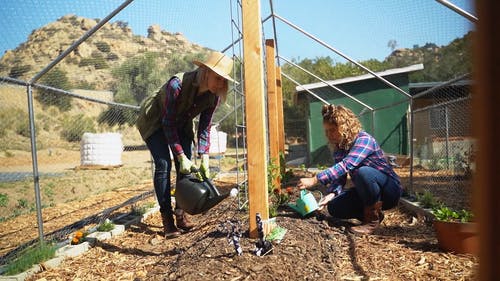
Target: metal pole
447, 125
304, 88
459, 11
343, 55
36, 176
411, 118
373, 122
326, 83
274, 30
447, 83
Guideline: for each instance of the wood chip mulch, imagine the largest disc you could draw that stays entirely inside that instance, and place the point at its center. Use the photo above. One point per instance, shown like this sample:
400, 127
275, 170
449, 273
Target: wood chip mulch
403, 248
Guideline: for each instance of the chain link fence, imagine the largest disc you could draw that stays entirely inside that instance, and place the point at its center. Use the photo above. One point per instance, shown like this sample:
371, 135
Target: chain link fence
70, 155
64, 106
83, 161
443, 145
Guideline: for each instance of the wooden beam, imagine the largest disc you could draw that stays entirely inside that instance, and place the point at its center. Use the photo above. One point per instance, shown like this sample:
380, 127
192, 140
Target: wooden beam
255, 113
272, 115
485, 115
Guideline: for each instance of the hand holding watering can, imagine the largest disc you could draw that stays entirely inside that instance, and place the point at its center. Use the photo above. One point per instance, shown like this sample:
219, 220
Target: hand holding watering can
305, 183
305, 204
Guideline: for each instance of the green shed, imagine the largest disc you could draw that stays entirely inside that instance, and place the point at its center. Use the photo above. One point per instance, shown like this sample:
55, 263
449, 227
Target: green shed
381, 109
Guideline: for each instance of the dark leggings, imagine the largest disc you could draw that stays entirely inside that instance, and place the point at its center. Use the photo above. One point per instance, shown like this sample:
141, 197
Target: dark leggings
370, 186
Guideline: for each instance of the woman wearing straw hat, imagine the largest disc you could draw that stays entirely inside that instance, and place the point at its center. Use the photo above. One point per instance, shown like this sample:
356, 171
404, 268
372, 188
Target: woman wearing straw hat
166, 121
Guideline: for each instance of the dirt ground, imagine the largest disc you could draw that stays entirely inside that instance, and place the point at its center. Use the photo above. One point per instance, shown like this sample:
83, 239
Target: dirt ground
404, 248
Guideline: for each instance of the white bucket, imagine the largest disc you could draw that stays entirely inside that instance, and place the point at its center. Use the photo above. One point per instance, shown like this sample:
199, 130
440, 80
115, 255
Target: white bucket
101, 149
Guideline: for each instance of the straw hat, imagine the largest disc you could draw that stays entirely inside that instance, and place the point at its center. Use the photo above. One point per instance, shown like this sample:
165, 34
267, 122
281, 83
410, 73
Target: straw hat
218, 63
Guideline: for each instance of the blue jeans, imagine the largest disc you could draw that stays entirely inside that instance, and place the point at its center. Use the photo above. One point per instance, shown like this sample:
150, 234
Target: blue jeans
158, 146
370, 186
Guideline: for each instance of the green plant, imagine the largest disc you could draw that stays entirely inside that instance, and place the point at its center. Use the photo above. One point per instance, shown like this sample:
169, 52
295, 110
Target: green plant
139, 210
107, 225
4, 199
56, 78
427, 200
19, 70
23, 129
103, 46
276, 196
30, 256
48, 190
22, 203
444, 213
75, 126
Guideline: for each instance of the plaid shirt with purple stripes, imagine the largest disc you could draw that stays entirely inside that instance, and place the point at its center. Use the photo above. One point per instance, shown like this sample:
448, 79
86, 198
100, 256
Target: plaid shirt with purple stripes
364, 152
170, 124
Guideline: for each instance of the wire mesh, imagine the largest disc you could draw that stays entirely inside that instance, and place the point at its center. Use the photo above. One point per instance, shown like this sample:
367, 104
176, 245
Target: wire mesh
443, 145
87, 77
97, 87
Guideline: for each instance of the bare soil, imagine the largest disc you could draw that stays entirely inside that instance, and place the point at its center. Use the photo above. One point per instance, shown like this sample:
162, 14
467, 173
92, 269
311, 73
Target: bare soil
403, 248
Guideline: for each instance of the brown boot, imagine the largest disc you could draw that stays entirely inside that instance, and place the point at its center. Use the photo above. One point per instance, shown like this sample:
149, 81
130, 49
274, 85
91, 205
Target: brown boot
169, 228
182, 220
372, 217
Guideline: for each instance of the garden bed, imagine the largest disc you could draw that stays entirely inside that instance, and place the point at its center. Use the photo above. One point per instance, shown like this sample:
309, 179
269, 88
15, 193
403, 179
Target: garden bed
404, 248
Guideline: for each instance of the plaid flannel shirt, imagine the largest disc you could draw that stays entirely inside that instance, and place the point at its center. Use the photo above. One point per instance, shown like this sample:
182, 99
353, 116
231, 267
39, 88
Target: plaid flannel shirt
364, 152
170, 125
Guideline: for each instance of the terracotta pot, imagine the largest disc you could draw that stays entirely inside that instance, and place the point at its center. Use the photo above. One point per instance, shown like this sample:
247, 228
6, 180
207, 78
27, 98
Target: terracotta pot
458, 237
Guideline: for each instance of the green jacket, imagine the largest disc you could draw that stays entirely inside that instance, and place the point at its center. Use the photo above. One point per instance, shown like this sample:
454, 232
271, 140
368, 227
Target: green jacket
152, 108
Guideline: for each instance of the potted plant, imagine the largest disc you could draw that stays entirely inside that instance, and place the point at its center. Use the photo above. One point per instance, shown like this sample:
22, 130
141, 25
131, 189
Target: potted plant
455, 230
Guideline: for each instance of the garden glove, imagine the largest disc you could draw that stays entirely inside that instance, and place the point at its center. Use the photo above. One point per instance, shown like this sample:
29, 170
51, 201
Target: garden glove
204, 167
185, 165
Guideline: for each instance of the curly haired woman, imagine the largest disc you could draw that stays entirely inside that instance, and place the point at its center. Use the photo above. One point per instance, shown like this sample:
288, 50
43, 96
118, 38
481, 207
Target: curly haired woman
376, 186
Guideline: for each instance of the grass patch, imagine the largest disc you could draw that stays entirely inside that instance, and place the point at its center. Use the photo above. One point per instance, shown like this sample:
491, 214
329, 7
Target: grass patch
29, 257
107, 225
141, 210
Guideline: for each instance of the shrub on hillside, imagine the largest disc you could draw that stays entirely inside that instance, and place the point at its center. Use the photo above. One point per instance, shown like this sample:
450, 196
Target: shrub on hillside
56, 78
18, 70
75, 126
103, 46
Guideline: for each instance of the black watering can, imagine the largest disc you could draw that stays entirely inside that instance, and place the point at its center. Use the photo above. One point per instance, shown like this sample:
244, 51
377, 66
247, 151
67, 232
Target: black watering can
196, 196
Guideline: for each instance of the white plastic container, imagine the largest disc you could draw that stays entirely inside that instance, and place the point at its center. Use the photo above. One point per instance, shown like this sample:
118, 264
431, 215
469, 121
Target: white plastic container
103, 149
218, 141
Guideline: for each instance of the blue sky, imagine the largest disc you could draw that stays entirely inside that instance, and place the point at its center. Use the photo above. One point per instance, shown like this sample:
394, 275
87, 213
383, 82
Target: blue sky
360, 29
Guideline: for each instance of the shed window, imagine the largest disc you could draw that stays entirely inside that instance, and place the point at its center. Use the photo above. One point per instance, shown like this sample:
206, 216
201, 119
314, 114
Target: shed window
438, 118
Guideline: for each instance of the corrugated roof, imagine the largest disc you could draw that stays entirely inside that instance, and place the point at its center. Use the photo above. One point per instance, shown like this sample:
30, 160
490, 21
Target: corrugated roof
312, 86
466, 82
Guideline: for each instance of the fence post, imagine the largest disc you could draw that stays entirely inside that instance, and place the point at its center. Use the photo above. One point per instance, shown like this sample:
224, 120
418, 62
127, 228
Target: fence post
255, 113
34, 161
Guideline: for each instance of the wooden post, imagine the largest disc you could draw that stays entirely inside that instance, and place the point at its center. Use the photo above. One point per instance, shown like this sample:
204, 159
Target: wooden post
485, 115
272, 109
255, 113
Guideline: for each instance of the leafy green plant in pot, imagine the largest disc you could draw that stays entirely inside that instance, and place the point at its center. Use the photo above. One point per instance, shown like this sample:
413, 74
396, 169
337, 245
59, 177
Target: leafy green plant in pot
455, 230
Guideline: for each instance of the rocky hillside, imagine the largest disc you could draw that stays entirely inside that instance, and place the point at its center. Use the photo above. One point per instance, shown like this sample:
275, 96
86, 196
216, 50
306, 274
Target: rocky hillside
91, 63
441, 63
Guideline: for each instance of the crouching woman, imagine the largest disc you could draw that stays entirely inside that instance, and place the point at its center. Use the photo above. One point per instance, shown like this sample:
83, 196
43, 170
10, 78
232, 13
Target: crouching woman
355, 152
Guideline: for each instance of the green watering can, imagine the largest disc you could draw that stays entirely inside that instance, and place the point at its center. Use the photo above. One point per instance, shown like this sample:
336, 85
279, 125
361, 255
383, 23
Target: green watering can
306, 204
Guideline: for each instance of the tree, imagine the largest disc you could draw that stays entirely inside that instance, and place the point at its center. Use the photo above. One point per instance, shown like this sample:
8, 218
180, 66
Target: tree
392, 44
55, 78
137, 77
